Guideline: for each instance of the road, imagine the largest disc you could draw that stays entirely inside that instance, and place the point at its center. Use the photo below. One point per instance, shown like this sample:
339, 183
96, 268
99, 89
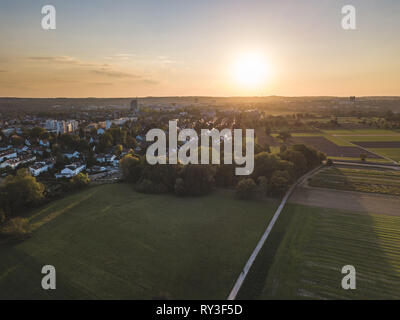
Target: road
249, 263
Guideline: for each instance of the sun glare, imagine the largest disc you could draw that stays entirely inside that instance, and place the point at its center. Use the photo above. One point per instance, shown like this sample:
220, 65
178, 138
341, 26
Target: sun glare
250, 70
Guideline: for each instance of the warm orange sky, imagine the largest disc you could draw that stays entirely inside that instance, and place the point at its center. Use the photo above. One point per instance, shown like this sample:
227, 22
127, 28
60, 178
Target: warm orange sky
175, 47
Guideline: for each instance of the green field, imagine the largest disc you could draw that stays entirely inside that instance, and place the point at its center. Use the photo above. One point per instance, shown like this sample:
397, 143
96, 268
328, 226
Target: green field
110, 242
310, 246
346, 137
392, 153
375, 181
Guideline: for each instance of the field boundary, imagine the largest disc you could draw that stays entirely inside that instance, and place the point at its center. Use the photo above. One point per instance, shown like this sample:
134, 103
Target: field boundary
240, 280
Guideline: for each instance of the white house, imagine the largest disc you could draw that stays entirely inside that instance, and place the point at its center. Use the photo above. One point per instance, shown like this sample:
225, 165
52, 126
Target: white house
101, 157
110, 157
38, 168
71, 170
69, 156
8, 154
44, 143
12, 163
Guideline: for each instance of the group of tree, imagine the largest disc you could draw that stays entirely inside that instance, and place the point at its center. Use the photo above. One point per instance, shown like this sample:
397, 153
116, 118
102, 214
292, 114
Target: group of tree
272, 176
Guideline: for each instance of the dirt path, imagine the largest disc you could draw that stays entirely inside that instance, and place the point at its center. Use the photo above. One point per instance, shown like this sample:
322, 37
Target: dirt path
347, 200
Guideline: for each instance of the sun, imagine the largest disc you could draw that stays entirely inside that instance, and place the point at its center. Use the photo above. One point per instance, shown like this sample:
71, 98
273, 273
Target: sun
250, 70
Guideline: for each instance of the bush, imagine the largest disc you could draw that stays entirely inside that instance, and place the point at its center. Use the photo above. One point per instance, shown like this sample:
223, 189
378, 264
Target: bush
79, 181
16, 229
246, 188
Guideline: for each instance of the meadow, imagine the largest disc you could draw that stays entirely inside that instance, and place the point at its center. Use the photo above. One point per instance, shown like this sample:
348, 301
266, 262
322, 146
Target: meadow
309, 246
109, 242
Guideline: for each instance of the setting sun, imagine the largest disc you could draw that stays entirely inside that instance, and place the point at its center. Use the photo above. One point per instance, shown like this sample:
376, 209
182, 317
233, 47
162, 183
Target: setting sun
250, 70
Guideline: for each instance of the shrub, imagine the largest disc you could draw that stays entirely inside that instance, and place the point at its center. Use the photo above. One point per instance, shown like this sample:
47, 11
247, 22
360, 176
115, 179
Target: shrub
79, 181
246, 188
16, 229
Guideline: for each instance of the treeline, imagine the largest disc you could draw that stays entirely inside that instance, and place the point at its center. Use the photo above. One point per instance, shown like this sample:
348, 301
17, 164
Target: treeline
272, 176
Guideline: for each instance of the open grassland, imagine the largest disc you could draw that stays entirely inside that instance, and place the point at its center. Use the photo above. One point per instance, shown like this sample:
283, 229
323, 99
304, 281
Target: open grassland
308, 247
362, 180
109, 242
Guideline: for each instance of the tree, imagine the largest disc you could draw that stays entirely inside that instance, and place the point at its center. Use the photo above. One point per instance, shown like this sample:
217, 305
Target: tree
280, 183
264, 165
21, 191
79, 181
246, 188
38, 133
196, 180
16, 229
118, 149
132, 167
297, 158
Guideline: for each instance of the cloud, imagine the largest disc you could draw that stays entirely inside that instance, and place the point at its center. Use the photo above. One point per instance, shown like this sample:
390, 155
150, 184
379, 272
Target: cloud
56, 59
114, 74
99, 69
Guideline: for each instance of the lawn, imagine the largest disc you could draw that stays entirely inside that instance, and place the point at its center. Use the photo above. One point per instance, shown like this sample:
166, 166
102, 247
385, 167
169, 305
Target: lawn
310, 246
109, 242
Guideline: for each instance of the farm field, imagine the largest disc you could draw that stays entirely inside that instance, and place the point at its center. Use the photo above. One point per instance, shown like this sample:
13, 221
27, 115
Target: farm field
312, 244
361, 180
109, 242
388, 152
350, 144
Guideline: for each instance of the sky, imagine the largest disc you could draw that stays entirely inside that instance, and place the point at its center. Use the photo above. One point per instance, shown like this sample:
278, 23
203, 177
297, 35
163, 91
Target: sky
129, 48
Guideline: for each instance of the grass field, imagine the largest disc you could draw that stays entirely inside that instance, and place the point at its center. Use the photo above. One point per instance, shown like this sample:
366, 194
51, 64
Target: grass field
109, 242
375, 181
309, 246
392, 153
